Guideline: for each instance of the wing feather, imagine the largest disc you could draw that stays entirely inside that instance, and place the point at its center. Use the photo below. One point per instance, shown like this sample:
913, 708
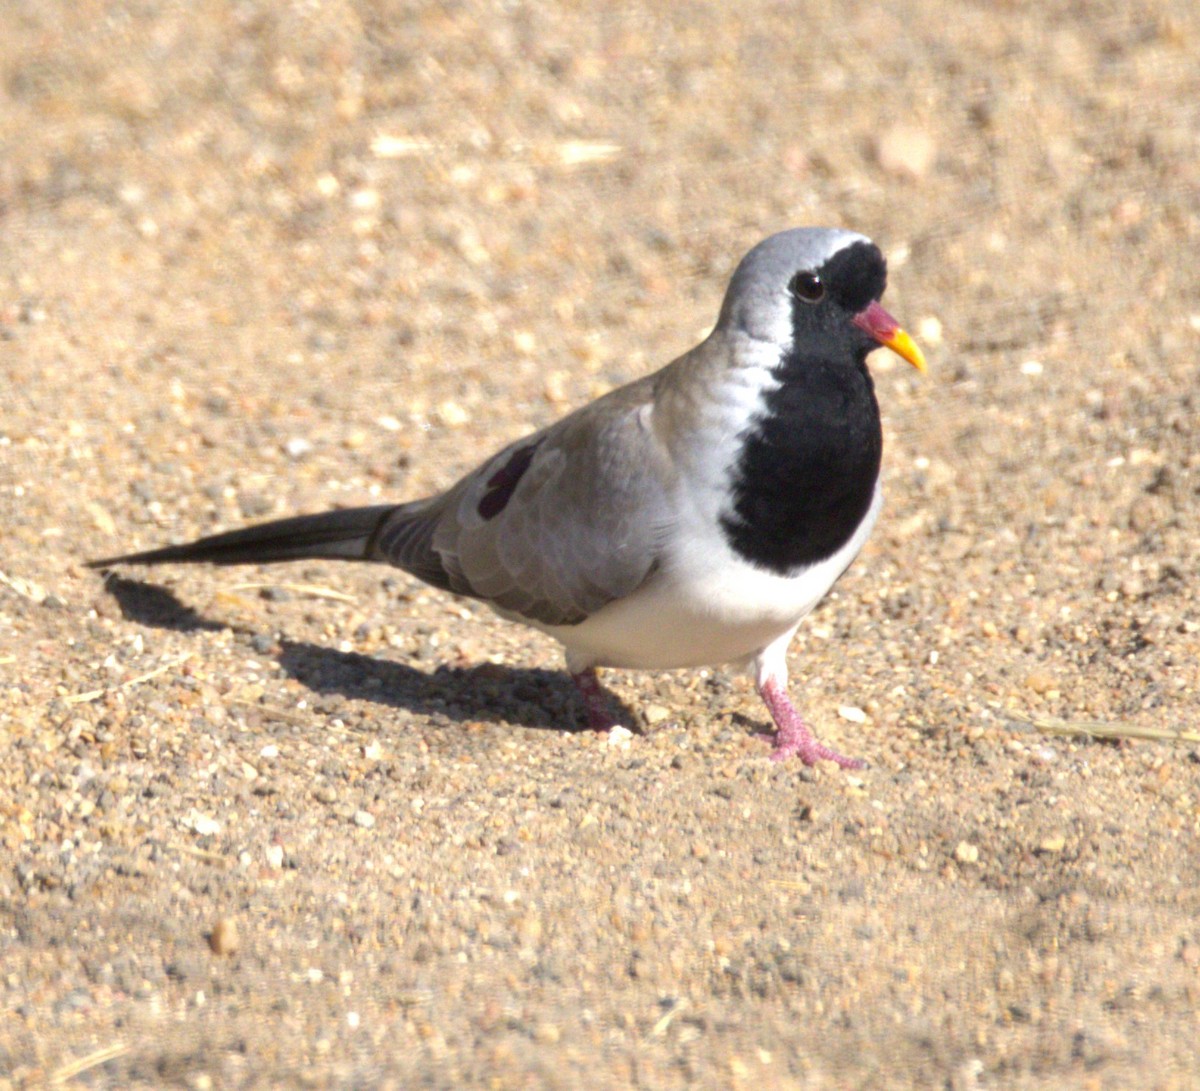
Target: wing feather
553, 527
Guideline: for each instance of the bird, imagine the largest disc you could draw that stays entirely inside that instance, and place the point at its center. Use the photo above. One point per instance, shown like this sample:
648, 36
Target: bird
690, 518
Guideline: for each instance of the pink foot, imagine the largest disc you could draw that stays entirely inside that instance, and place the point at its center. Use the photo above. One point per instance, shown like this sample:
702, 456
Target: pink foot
794, 736
595, 700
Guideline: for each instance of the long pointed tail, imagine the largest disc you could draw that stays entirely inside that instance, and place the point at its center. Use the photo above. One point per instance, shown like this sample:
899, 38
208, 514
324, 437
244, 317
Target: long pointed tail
333, 535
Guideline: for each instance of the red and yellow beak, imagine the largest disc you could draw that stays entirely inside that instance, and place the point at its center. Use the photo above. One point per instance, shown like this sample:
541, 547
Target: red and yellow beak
877, 323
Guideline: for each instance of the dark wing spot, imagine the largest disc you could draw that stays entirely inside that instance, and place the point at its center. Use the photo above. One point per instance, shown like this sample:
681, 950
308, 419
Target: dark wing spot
504, 481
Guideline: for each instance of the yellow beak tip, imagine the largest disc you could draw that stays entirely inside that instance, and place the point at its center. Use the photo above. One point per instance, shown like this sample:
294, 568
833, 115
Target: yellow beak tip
906, 348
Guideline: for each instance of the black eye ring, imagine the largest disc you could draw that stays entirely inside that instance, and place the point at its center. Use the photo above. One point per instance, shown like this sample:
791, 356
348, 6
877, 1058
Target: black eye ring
807, 286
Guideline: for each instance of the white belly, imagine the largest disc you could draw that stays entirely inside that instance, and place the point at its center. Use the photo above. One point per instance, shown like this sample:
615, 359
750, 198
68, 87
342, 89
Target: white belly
704, 606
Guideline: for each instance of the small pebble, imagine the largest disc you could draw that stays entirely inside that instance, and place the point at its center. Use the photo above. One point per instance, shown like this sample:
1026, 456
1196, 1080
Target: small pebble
223, 939
1040, 683
364, 819
620, 737
966, 853
929, 330
200, 823
907, 151
452, 415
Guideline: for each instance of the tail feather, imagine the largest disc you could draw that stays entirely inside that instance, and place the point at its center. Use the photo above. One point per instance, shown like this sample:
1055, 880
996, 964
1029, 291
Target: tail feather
331, 535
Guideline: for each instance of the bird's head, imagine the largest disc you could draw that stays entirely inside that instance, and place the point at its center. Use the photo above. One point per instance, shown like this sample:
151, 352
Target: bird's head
816, 289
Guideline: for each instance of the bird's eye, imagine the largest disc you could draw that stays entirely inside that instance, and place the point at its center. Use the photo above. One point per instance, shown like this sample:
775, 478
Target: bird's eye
807, 287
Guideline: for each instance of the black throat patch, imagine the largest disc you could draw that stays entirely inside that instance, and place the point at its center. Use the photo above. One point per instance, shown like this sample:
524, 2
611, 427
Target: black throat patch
806, 474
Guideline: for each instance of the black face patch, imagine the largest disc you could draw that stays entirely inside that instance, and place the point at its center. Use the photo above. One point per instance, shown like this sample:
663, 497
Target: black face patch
806, 473
503, 482
855, 275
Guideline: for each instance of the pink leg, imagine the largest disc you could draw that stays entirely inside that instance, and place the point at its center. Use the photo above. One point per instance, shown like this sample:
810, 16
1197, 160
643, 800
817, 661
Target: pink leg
595, 700
794, 736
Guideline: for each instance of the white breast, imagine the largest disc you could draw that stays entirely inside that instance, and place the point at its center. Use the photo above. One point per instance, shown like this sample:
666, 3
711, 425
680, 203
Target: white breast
705, 606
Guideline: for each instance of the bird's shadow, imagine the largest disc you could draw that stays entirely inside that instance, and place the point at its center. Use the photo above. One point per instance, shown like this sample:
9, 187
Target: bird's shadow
155, 606
527, 696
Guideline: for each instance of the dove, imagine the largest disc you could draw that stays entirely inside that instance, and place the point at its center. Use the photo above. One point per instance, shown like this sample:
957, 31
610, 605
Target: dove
690, 518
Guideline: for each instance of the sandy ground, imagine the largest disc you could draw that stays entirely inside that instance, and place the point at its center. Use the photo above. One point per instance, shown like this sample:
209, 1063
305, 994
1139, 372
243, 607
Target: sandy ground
262, 258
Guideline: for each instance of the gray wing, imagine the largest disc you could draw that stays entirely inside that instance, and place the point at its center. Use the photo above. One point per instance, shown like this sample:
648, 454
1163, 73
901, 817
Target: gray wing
554, 526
